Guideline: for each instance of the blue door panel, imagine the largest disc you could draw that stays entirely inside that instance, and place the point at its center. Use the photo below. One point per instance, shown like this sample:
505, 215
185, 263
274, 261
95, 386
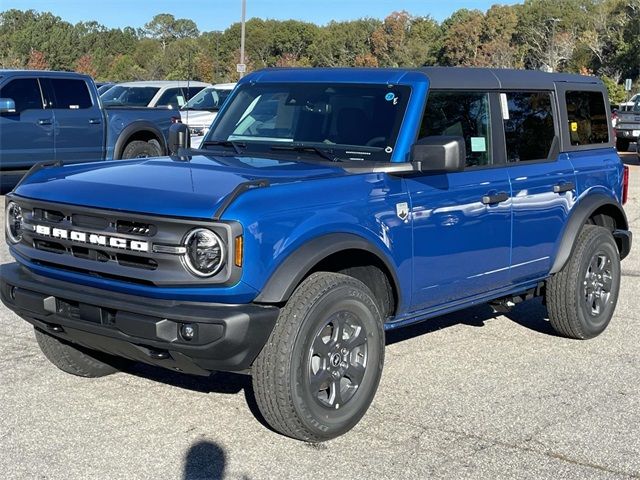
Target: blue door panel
539, 214
461, 246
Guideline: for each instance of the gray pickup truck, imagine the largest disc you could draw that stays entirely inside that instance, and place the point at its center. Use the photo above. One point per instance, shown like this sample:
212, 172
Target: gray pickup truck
628, 126
58, 116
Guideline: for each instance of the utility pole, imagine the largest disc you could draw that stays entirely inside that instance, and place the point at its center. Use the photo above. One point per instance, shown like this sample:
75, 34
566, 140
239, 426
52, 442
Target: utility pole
552, 46
242, 67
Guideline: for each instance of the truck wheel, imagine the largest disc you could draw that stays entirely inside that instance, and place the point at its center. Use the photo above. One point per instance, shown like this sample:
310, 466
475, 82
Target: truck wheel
141, 149
318, 372
75, 359
582, 296
622, 145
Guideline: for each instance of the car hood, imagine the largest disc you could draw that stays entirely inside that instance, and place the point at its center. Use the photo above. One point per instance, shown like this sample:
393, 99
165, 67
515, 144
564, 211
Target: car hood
192, 188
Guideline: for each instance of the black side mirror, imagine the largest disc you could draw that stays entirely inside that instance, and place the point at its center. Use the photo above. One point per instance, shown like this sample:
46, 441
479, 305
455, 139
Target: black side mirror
439, 154
178, 138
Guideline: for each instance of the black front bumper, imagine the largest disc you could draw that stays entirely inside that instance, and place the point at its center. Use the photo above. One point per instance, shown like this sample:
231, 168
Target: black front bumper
228, 337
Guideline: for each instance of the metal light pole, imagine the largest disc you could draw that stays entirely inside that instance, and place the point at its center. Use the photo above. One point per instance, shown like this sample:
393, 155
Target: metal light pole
552, 50
241, 67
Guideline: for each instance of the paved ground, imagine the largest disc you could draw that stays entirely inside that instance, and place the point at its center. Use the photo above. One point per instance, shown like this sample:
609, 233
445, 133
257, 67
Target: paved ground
469, 395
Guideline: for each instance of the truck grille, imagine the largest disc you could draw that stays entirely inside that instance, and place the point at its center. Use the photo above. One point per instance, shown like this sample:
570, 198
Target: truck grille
111, 244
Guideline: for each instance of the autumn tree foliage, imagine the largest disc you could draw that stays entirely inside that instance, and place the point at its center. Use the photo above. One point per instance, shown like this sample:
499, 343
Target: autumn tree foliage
37, 61
599, 36
85, 65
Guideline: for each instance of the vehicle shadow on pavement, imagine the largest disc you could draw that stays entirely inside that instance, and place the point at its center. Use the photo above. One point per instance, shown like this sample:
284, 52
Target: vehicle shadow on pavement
218, 382
530, 314
205, 460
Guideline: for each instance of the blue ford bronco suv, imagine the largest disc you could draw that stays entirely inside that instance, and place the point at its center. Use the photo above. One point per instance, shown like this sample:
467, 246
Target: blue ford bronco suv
324, 207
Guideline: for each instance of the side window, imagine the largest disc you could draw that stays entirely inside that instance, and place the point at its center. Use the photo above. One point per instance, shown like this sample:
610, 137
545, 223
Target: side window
588, 120
70, 94
464, 114
25, 92
172, 98
528, 125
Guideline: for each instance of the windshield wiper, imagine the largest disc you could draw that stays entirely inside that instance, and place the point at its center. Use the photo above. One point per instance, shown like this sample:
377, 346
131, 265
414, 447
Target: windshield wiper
237, 146
306, 148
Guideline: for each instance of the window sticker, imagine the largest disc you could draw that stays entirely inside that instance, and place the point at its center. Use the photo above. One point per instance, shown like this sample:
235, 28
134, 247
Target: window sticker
389, 96
505, 106
574, 126
478, 144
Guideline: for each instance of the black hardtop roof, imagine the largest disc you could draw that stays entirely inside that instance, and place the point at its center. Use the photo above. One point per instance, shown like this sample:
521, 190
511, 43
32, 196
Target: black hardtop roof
502, 78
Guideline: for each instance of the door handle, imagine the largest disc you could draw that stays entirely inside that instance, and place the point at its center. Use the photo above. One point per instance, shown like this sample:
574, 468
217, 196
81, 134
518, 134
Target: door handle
95, 121
44, 121
495, 198
563, 187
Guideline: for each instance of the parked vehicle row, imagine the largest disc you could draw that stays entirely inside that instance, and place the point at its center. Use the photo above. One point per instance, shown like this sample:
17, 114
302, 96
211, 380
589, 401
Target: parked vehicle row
200, 112
160, 94
628, 126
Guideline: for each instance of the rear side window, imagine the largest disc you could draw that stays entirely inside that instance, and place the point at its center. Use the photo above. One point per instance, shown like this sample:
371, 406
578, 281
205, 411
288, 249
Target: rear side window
172, 98
528, 125
462, 114
25, 92
587, 118
70, 94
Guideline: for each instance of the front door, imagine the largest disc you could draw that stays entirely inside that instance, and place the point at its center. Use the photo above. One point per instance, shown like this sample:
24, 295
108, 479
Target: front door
79, 126
26, 135
461, 221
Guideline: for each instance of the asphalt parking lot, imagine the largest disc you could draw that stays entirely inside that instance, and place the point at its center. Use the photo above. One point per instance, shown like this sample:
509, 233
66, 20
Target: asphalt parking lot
467, 395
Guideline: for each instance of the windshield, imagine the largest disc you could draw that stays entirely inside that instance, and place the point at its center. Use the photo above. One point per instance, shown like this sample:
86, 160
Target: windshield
210, 99
356, 122
129, 96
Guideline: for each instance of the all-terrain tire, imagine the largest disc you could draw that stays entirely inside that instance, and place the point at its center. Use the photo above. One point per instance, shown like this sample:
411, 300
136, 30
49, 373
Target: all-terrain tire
582, 296
76, 360
329, 334
142, 149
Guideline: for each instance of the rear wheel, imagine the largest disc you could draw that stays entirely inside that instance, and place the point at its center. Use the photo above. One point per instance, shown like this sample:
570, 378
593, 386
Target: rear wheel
582, 296
320, 369
622, 145
77, 360
142, 149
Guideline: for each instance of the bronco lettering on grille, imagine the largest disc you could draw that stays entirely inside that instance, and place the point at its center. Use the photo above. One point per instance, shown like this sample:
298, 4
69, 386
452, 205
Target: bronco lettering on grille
92, 238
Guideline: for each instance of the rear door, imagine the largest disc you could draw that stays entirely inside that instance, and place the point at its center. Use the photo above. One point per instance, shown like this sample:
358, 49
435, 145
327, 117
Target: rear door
462, 220
26, 136
79, 126
542, 180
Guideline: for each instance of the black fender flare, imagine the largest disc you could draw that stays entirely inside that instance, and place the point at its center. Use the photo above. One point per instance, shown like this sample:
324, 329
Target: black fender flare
298, 264
579, 215
133, 128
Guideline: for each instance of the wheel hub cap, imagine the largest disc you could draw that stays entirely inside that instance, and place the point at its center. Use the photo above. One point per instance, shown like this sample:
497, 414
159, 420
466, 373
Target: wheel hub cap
597, 283
337, 360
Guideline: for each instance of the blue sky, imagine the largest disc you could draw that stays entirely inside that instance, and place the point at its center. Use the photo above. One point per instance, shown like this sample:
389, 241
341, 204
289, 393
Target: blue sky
219, 14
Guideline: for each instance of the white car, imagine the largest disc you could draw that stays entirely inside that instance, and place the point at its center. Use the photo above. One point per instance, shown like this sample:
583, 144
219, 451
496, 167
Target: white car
165, 94
627, 105
201, 110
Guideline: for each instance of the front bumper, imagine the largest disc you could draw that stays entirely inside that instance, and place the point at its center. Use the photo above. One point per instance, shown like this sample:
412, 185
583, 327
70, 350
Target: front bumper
228, 337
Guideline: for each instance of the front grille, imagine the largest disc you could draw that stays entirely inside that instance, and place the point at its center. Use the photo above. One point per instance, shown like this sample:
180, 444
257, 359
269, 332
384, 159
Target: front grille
114, 245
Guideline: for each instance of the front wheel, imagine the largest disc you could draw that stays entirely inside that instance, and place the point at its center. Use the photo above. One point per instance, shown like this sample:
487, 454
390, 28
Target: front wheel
582, 296
320, 369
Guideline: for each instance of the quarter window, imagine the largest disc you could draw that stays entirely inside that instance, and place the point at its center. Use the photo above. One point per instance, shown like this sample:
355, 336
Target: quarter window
463, 114
25, 92
70, 94
528, 125
587, 118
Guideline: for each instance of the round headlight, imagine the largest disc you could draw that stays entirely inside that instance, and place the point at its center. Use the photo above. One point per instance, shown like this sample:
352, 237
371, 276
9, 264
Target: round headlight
13, 222
205, 252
